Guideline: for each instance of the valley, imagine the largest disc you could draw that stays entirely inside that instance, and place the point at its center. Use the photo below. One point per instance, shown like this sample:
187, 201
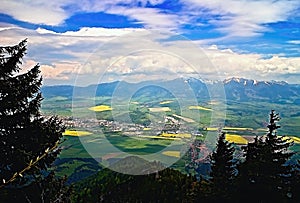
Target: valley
158, 126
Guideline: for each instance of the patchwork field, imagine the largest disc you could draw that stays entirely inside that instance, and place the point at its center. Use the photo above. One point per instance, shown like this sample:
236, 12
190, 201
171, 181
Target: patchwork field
294, 139
189, 120
172, 153
76, 133
178, 135
243, 122
100, 108
159, 109
200, 108
237, 139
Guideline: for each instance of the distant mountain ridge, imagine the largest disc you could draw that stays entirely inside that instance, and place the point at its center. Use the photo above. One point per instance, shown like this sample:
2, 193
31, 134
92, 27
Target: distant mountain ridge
237, 89
245, 89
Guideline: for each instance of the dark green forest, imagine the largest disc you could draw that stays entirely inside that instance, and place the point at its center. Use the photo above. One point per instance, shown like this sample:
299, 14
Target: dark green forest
265, 172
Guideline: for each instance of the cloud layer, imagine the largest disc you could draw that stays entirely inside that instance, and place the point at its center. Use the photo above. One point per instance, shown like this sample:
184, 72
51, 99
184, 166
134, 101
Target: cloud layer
113, 54
91, 54
244, 17
234, 18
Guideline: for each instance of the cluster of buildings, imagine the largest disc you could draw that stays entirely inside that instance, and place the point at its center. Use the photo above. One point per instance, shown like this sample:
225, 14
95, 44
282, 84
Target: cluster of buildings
170, 125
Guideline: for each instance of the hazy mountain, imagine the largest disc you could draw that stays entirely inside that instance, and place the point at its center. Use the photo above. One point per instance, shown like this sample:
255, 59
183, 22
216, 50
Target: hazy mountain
244, 89
238, 89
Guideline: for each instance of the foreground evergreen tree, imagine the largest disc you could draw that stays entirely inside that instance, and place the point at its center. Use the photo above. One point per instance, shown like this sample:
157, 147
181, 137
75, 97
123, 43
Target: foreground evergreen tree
294, 192
28, 141
222, 170
265, 171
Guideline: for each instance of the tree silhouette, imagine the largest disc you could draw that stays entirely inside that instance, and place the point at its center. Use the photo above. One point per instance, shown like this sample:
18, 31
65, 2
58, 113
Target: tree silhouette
222, 170
28, 141
265, 171
294, 183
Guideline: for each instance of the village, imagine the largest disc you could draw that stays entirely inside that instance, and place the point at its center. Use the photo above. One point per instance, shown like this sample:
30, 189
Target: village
170, 125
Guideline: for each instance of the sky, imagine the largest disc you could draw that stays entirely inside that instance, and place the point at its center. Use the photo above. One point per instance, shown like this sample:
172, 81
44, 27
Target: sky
89, 41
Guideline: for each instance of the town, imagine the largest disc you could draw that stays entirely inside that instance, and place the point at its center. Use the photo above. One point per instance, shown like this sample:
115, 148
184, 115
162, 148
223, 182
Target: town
170, 125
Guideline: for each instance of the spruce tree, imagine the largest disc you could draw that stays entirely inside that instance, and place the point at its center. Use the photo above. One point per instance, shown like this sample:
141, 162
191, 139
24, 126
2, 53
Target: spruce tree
253, 172
278, 147
294, 183
28, 140
223, 170
265, 171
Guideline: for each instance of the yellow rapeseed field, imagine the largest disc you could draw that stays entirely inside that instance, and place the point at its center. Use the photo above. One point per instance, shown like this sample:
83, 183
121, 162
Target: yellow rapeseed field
237, 139
180, 135
199, 108
296, 139
76, 133
100, 108
293, 138
212, 129
172, 153
236, 128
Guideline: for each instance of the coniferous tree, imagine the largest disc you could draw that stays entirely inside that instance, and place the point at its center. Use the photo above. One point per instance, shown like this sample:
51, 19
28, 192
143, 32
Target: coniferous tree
294, 183
278, 147
253, 171
265, 171
28, 141
223, 170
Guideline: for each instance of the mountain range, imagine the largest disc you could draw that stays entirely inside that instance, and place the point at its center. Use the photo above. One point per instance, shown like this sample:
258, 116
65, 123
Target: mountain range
237, 89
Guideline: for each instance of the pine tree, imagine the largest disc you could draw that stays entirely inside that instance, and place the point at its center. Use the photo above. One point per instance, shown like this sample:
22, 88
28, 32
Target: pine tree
28, 141
223, 170
265, 171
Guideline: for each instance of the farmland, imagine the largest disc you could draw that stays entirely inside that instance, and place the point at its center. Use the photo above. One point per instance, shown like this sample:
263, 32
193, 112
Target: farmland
172, 153
76, 133
105, 131
100, 108
237, 139
160, 109
199, 108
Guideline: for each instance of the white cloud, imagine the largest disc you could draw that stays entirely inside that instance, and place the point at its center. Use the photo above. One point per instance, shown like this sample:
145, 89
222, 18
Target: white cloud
252, 65
138, 56
243, 17
44, 31
101, 32
56, 12
294, 42
38, 12
60, 70
150, 17
167, 60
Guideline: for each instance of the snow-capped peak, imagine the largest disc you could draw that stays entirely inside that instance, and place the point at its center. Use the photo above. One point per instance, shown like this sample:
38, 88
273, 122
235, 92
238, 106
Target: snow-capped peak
252, 82
233, 79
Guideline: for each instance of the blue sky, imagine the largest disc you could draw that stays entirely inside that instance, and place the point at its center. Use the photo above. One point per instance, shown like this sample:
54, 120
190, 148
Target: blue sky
83, 41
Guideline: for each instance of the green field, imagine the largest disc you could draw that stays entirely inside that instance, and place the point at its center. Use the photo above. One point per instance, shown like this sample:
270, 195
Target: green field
82, 156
